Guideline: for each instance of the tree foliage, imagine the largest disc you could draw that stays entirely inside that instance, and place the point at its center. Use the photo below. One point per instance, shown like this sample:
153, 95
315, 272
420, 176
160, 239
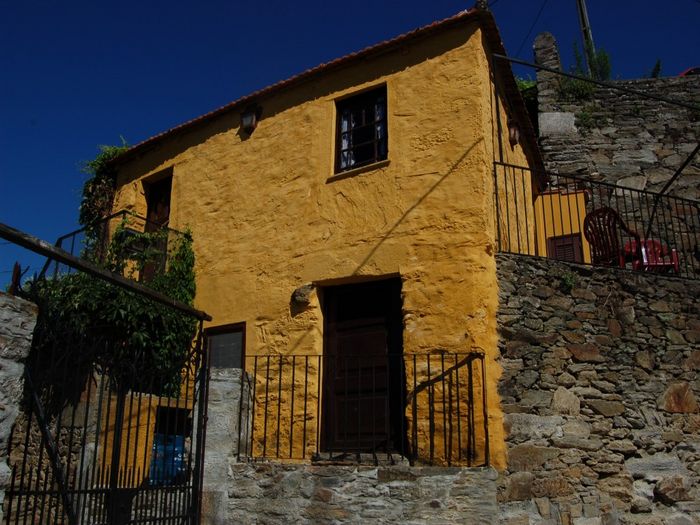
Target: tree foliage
600, 69
139, 344
86, 323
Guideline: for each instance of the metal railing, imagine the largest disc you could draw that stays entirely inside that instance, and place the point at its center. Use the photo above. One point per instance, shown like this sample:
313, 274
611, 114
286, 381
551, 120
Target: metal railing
418, 408
581, 220
142, 237
106, 434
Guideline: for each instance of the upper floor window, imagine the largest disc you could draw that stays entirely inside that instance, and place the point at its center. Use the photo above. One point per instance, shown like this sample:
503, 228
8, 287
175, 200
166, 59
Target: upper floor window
361, 130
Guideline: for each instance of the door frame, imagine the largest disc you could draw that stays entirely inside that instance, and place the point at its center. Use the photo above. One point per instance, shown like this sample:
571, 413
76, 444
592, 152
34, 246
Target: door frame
396, 388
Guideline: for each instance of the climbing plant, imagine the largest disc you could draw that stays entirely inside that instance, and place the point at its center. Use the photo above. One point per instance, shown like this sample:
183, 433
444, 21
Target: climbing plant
91, 324
98, 190
528, 90
141, 345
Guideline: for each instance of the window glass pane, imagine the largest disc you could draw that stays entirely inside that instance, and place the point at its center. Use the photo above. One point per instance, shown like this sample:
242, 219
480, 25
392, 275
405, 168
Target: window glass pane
362, 135
364, 153
361, 129
226, 349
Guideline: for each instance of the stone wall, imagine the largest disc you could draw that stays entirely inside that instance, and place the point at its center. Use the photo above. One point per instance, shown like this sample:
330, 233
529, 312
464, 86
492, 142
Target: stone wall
222, 445
600, 392
277, 494
17, 320
242, 491
623, 139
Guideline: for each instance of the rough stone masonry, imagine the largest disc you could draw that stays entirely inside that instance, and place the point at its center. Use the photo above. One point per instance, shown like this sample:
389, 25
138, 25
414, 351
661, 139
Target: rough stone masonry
17, 320
278, 494
600, 392
623, 139
241, 491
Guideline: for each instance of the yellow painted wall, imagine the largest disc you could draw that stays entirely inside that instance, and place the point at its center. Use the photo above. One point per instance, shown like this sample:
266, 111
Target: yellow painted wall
137, 433
558, 214
267, 216
512, 185
138, 429
512, 220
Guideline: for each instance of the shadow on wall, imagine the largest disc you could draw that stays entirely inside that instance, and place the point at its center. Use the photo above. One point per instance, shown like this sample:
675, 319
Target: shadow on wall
414, 206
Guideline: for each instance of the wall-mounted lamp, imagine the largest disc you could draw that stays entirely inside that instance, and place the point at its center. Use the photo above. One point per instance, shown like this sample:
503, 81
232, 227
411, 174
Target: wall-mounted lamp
513, 132
250, 118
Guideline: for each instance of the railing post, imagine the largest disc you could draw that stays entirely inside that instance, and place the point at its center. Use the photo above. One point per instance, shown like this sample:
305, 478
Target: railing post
485, 409
203, 404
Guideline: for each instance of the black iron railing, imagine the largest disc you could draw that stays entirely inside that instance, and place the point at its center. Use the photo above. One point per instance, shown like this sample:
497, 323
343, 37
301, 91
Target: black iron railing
105, 434
138, 239
418, 408
94, 452
577, 219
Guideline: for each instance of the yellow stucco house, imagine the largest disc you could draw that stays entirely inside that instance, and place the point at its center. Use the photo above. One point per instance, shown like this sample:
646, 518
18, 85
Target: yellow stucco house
345, 233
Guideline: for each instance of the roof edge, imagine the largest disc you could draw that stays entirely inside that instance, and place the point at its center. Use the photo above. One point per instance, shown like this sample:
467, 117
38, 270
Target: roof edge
483, 17
383, 46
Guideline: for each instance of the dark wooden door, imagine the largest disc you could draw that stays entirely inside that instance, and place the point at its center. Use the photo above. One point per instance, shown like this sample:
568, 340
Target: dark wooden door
157, 218
363, 371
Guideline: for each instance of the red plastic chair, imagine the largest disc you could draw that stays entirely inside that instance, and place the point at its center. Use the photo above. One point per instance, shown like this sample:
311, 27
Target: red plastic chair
655, 257
602, 228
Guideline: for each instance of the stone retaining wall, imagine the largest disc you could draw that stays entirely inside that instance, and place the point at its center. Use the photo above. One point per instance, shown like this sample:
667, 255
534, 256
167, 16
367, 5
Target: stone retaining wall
619, 138
600, 392
277, 494
17, 320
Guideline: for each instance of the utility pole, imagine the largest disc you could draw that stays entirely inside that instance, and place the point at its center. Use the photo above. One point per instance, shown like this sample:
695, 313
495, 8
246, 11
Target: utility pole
588, 47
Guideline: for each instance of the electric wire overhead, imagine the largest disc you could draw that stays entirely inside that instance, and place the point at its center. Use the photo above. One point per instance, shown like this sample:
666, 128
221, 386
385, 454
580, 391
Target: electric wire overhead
534, 23
602, 83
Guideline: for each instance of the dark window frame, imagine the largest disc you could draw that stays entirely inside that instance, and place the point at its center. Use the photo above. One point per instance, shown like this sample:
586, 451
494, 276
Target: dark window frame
371, 107
226, 329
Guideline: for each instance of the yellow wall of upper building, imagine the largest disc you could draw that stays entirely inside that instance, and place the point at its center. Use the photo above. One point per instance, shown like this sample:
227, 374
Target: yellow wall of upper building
268, 216
561, 214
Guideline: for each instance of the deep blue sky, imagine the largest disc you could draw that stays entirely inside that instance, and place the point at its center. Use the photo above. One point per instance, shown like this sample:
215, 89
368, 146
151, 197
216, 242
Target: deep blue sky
75, 73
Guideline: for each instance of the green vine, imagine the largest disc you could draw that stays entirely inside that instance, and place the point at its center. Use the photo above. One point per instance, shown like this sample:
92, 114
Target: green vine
528, 90
98, 190
139, 344
86, 323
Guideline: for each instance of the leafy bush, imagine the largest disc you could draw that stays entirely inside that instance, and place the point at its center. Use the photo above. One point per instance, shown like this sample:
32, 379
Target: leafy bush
86, 323
589, 117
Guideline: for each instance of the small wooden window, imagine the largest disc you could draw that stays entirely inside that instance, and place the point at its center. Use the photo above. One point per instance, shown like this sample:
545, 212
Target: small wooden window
566, 248
158, 203
361, 130
227, 346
